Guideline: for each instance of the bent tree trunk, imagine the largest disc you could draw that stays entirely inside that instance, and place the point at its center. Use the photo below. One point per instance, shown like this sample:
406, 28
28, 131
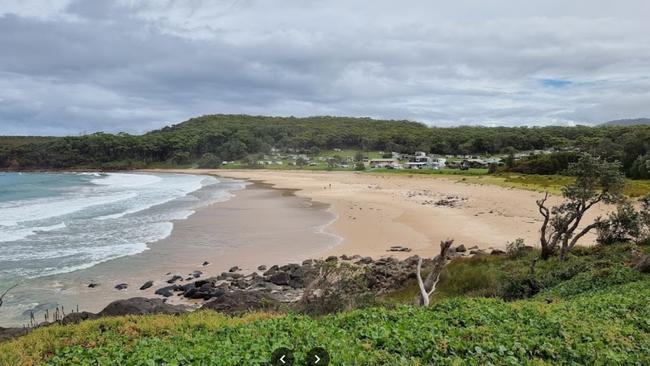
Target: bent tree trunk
428, 286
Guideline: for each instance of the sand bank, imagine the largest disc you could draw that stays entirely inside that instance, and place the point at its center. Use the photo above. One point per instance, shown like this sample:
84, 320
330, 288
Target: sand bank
375, 212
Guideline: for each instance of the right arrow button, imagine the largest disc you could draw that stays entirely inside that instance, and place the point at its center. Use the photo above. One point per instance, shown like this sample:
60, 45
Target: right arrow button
318, 357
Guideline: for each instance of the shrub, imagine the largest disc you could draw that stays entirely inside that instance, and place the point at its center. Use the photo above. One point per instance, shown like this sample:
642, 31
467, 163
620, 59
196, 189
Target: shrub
209, 161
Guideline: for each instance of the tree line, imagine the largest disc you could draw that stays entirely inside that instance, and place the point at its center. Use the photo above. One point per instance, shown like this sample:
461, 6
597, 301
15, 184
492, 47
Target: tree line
233, 137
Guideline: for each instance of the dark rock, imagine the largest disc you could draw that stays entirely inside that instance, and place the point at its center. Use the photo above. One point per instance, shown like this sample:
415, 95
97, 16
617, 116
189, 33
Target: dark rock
140, 306
365, 260
206, 263
167, 291
146, 285
412, 260
9, 333
280, 278
93, 285
174, 279
261, 268
345, 257
196, 274
473, 247
308, 262
121, 286
290, 268
644, 265
461, 248
234, 269
271, 270
239, 301
74, 318
476, 252
497, 252
332, 258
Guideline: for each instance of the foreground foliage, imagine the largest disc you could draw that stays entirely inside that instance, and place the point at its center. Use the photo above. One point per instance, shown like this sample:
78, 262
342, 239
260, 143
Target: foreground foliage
591, 309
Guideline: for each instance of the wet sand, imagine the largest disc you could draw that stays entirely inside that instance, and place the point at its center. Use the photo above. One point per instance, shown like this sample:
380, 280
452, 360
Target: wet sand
259, 225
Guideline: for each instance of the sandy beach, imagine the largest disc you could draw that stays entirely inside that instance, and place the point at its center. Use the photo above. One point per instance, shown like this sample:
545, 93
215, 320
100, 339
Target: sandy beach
375, 211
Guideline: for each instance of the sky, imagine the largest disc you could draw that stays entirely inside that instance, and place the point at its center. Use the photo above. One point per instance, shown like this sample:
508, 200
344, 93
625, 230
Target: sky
70, 67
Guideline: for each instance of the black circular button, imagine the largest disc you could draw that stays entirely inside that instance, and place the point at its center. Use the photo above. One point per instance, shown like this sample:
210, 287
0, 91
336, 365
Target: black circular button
282, 357
318, 357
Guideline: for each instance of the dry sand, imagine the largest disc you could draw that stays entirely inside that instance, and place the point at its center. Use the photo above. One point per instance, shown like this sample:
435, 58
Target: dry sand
375, 212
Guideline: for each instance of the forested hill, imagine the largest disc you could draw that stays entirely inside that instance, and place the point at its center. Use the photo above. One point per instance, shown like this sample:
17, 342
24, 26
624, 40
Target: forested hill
628, 122
232, 137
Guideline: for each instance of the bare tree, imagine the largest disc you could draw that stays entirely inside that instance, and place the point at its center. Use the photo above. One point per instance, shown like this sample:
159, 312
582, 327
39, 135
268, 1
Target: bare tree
428, 286
5, 293
596, 181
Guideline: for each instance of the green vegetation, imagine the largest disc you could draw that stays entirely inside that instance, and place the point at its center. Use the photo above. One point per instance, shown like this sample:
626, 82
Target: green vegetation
590, 309
238, 137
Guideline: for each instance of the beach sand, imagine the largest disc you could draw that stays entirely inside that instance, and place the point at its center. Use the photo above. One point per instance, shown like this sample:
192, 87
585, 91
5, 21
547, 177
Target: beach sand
259, 225
377, 211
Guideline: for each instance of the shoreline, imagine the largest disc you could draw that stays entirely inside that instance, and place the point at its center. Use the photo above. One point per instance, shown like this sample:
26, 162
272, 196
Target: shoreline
351, 213
375, 212
247, 230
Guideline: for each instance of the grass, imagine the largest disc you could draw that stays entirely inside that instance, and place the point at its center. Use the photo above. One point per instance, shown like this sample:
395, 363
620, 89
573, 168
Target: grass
598, 314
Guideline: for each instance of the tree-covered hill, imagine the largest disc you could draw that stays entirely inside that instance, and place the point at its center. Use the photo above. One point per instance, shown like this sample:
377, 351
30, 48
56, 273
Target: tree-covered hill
628, 122
232, 137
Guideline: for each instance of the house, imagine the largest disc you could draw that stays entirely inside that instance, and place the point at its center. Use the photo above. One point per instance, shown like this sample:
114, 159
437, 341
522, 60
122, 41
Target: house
384, 163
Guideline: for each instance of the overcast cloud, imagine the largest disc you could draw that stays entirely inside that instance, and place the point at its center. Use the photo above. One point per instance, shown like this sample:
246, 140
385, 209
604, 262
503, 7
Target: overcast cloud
69, 67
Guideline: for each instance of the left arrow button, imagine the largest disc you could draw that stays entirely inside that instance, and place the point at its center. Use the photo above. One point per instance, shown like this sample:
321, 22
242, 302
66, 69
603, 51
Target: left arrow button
282, 357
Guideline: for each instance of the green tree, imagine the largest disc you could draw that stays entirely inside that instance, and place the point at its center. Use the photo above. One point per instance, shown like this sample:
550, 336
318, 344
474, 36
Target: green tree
595, 181
209, 161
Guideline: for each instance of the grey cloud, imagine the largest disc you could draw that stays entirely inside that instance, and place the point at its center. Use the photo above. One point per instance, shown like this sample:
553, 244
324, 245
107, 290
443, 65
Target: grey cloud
120, 65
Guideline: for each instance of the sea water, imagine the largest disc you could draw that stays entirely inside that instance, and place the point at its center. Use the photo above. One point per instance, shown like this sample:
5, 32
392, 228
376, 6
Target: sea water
57, 223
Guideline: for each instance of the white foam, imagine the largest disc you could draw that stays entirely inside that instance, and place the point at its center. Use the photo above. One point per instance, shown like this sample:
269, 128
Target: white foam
126, 180
15, 212
13, 233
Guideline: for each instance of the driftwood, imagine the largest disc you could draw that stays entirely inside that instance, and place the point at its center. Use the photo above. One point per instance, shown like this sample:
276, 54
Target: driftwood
428, 286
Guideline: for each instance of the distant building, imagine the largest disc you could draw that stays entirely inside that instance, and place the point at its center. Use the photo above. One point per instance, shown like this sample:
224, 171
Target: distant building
384, 163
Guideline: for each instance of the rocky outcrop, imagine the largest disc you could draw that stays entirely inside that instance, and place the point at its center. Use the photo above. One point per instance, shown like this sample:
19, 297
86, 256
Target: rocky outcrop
241, 301
140, 306
9, 333
74, 318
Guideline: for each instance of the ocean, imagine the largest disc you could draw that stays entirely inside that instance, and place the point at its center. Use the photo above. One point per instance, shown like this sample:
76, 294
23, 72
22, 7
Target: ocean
52, 223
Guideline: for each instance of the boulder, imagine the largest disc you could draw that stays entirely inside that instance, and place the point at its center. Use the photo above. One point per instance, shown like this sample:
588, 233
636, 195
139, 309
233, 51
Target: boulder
332, 258
206, 263
146, 285
234, 269
261, 268
364, 260
345, 257
121, 286
196, 274
239, 301
93, 285
167, 291
476, 252
74, 318
497, 252
461, 249
174, 279
280, 278
271, 270
9, 333
140, 306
